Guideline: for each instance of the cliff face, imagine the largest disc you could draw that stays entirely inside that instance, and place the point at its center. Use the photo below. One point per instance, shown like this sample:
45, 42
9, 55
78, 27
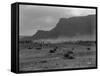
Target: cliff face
75, 26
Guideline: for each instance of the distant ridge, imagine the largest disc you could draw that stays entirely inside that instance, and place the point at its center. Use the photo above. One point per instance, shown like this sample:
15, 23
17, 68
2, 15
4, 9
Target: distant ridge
69, 27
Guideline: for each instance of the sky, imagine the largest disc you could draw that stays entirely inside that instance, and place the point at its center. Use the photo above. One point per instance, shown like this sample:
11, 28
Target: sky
33, 18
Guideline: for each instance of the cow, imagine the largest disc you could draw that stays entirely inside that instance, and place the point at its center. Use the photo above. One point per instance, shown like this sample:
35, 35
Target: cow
69, 55
88, 48
53, 50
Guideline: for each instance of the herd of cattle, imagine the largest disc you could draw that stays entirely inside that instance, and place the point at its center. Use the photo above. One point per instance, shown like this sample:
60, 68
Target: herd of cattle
70, 54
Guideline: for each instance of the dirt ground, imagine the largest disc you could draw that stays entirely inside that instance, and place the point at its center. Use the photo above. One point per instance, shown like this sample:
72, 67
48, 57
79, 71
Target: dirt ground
32, 59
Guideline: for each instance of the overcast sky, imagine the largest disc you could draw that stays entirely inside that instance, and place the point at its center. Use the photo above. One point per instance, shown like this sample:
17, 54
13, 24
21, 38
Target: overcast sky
34, 18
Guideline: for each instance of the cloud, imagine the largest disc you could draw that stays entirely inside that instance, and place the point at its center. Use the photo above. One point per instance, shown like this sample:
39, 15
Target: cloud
34, 18
81, 11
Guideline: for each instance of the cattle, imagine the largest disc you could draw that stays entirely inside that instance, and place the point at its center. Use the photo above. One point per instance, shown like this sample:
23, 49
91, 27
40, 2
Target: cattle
88, 48
53, 50
69, 55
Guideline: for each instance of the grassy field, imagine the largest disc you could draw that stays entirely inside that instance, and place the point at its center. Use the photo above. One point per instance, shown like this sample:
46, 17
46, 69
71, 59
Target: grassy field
32, 58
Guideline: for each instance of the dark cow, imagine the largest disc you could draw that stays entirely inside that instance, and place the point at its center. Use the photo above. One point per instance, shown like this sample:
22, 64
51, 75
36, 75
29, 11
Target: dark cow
88, 48
53, 50
69, 55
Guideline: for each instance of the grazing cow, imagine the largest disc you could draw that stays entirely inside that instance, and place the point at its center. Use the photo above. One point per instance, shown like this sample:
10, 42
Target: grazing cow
54, 50
69, 55
88, 48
